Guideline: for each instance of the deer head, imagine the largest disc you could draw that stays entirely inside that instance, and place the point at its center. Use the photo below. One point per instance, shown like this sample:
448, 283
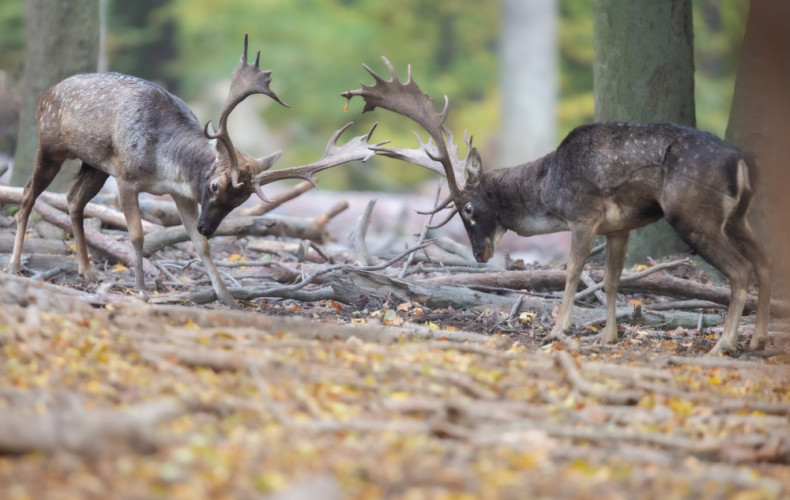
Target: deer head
236, 174
439, 155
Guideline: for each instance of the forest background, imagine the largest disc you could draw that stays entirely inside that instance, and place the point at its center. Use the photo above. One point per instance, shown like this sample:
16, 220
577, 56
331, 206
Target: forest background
315, 48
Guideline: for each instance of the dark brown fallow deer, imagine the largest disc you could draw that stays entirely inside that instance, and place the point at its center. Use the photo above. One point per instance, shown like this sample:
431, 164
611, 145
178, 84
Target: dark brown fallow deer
150, 141
604, 178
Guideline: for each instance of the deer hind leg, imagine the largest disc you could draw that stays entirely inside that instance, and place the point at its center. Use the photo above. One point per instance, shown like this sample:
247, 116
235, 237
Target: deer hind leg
45, 169
88, 183
720, 250
582, 238
741, 234
616, 245
188, 210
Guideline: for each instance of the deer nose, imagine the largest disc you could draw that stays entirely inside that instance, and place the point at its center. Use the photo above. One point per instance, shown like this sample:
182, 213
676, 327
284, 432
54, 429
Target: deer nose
204, 229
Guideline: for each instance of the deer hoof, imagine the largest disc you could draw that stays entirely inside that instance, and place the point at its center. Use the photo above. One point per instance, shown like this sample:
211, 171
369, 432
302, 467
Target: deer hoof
89, 276
757, 343
13, 268
723, 349
609, 336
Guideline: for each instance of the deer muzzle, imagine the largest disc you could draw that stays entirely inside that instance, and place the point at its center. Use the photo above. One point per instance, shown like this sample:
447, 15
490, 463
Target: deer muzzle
483, 251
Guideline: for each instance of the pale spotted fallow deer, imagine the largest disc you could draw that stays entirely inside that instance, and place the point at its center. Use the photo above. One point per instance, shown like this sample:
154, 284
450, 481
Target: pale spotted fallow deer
150, 141
604, 178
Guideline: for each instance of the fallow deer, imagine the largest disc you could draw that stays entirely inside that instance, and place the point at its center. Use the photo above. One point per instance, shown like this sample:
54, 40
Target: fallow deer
150, 141
604, 178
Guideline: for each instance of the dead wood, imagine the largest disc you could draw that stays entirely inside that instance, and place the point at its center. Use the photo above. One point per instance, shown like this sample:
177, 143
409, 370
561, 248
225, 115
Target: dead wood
355, 285
117, 251
34, 245
359, 233
542, 280
39, 262
109, 216
567, 364
300, 251
263, 225
88, 432
594, 288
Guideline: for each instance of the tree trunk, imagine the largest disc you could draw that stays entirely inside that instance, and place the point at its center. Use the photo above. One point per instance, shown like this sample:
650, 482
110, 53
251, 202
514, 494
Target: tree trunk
529, 79
759, 119
62, 40
644, 71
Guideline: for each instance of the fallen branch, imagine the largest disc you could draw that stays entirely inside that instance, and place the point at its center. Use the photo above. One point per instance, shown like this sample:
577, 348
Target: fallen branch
108, 216
118, 251
632, 277
567, 364
354, 285
359, 233
656, 284
263, 225
87, 432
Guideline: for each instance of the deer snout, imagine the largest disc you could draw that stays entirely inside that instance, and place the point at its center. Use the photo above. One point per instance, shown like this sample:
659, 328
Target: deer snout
206, 229
483, 252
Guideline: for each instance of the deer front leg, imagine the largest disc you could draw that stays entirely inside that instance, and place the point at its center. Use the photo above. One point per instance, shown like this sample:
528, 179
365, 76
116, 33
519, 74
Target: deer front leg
188, 210
616, 244
131, 210
582, 238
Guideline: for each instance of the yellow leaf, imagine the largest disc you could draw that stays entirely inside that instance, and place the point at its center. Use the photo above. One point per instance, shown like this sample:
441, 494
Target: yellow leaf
191, 324
433, 325
73, 247
405, 306
527, 318
118, 268
634, 302
236, 258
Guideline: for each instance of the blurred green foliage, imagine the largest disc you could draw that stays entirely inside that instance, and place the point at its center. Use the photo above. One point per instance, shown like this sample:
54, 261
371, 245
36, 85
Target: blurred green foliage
315, 49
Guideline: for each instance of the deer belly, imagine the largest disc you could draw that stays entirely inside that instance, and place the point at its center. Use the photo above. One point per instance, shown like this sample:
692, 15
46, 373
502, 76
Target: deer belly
620, 217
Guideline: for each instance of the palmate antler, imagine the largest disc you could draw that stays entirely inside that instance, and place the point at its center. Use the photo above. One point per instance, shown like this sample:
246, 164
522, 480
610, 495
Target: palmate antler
356, 149
439, 155
248, 79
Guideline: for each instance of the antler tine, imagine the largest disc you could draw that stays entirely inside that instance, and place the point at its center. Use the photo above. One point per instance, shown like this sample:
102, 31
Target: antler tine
247, 80
408, 100
356, 149
439, 206
445, 220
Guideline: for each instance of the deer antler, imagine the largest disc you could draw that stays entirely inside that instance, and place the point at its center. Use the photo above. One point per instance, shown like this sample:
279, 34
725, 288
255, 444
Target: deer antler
408, 100
248, 79
356, 149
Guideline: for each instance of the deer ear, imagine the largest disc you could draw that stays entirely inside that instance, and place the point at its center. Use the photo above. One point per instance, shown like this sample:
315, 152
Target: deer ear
213, 144
266, 162
474, 168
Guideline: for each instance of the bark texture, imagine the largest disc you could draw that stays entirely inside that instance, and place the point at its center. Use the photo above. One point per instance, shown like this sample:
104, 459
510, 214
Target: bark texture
62, 40
644, 72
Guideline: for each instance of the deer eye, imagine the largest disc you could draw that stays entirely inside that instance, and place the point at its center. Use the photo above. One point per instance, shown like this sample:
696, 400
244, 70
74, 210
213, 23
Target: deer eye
215, 186
468, 210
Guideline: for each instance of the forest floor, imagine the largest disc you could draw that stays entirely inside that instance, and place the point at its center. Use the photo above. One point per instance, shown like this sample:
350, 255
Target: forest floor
108, 394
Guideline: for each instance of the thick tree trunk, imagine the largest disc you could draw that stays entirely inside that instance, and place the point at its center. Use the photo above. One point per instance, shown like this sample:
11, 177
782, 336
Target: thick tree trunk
759, 120
529, 79
62, 40
644, 71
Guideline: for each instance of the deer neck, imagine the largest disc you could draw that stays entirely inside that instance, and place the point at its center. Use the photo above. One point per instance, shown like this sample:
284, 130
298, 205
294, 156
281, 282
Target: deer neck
188, 160
516, 194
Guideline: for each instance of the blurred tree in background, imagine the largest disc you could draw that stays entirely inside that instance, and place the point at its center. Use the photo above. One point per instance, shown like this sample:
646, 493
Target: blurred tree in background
315, 49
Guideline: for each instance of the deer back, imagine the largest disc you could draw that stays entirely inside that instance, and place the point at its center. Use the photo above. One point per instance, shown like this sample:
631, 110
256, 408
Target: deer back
125, 126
